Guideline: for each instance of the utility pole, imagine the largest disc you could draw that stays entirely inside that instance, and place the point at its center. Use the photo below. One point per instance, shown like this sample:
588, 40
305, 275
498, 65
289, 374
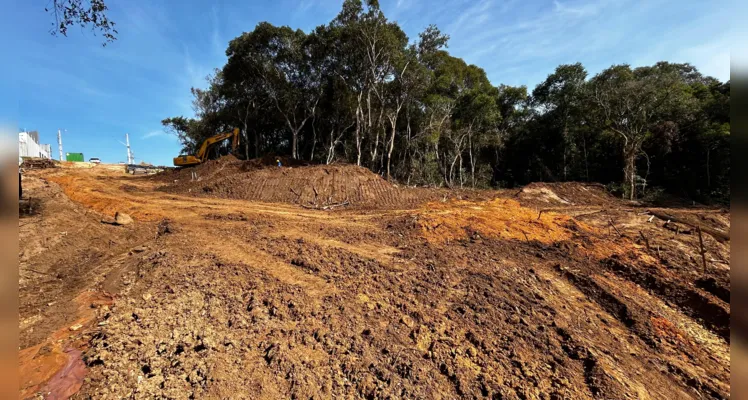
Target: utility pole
59, 143
129, 153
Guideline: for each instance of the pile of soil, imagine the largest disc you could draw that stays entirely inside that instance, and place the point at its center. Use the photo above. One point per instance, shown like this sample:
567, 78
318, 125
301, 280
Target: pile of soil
38, 163
565, 194
314, 186
210, 169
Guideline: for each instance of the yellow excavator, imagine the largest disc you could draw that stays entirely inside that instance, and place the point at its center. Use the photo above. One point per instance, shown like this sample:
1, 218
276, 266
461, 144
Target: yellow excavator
204, 150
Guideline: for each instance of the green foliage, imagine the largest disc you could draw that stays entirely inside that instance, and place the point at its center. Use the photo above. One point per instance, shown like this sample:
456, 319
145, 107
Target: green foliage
358, 90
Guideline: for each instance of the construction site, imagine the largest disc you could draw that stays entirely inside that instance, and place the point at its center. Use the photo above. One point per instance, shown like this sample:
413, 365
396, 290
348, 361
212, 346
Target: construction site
243, 279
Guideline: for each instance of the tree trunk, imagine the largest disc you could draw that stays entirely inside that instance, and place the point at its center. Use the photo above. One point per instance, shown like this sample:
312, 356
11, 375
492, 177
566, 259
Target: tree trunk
358, 143
460, 171
472, 161
294, 140
393, 123
246, 145
708, 175
246, 141
450, 181
586, 165
374, 152
257, 145
331, 149
629, 171
359, 123
314, 139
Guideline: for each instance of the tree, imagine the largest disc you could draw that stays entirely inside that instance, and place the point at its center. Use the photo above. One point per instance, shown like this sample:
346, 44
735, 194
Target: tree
83, 13
280, 60
513, 108
630, 102
560, 98
357, 90
409, 79
186, 129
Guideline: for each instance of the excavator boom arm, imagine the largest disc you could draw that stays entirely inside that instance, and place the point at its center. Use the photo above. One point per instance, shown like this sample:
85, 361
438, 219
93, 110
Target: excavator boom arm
202, 152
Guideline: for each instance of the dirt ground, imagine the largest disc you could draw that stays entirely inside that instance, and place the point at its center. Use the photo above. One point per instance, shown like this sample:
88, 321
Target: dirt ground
555, 291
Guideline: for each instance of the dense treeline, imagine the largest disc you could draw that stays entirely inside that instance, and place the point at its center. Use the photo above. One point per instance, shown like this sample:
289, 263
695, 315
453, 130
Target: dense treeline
357, 90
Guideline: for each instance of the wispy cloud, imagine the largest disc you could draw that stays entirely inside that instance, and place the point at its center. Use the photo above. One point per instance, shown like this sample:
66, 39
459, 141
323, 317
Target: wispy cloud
153, 134
39, 75
466, 16
196, 73
502, 38
578, 10
216, 41
521, 42
304, 6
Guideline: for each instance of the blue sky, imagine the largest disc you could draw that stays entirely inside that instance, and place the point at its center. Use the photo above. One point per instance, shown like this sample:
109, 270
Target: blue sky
97, 94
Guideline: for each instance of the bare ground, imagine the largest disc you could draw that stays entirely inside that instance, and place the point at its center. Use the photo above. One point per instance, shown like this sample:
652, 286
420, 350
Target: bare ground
555, 291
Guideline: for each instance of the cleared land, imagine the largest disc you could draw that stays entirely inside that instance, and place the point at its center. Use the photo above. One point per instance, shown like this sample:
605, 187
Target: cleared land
320, 282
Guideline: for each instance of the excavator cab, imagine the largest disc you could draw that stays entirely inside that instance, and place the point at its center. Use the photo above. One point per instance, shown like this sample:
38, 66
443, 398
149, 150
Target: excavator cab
205, 147
186, 161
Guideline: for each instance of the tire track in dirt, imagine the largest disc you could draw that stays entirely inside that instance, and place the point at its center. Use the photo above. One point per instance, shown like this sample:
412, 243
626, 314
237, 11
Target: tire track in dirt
715, 316
654, 331
619, 344
235, 251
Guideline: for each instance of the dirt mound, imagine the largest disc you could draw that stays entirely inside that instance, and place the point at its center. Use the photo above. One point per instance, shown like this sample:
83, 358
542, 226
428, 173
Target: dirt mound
208, 169
565, 193
38, 163
499, 218
315, 186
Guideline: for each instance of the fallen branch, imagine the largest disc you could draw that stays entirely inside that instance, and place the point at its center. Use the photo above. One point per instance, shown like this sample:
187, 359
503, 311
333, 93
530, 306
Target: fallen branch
720, 236
589, 213
610, 220
702, 251
331, 206
526, 238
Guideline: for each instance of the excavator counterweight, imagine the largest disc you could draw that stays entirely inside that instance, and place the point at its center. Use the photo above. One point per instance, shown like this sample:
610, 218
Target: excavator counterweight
204, 149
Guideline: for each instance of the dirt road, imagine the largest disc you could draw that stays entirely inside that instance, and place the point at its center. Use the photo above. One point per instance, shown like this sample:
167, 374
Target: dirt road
209, 297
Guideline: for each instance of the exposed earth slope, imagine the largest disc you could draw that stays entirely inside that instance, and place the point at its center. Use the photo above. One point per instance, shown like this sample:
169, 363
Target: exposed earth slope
550, 292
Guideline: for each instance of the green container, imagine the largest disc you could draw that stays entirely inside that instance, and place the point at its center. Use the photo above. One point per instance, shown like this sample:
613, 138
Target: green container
74, 157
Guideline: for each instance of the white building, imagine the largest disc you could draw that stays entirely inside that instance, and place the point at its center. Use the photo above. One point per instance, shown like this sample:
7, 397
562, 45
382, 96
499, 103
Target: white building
28, 146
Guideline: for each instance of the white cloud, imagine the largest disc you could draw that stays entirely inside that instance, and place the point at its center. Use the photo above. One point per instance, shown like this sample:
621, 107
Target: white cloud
466, 16
153, 134
217, 43
304, 5
580, 10
711, 58
195, 73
